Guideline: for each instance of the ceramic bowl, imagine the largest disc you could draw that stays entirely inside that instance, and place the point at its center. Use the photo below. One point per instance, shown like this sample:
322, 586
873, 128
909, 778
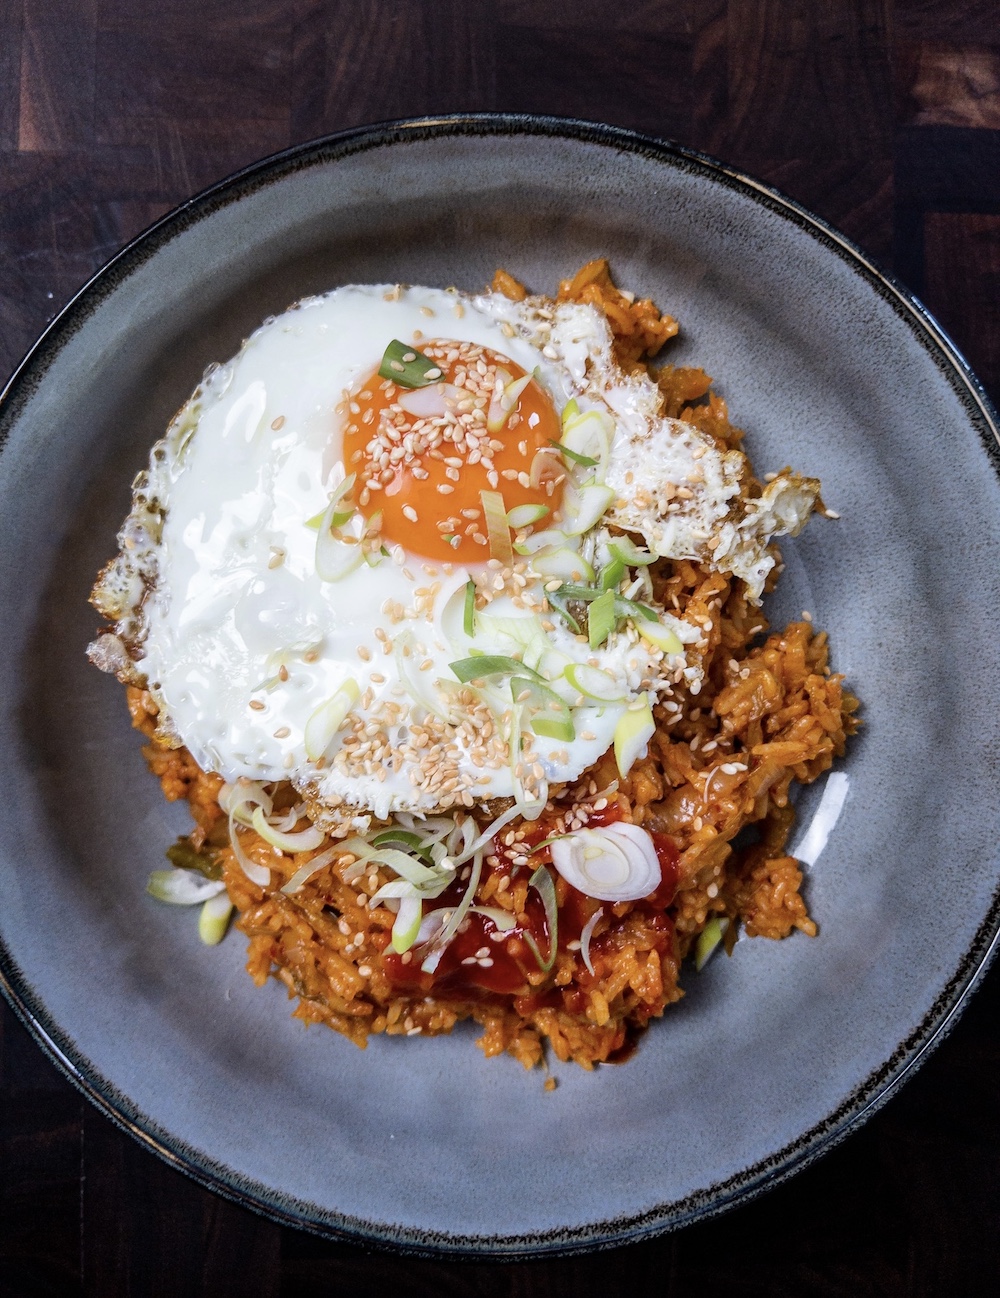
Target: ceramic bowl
772, 1055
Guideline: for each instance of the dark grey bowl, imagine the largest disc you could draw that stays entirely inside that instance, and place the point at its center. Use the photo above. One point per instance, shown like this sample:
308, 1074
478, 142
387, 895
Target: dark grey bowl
774, 1054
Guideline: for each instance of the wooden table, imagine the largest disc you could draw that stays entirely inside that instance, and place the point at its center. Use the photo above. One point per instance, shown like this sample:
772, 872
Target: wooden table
883, 117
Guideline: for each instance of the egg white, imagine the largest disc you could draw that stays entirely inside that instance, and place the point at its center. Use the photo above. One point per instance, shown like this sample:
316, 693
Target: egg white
215, 594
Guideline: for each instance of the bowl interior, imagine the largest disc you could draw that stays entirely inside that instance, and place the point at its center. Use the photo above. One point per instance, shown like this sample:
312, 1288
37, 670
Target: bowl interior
424, 1142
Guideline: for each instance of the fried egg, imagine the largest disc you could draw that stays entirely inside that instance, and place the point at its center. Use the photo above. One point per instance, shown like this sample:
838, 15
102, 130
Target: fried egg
390, 553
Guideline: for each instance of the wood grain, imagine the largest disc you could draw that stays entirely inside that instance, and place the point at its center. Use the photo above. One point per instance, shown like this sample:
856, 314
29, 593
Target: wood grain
880, 115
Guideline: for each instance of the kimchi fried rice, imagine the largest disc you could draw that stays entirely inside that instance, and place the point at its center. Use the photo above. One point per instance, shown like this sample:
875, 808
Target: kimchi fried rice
407, 920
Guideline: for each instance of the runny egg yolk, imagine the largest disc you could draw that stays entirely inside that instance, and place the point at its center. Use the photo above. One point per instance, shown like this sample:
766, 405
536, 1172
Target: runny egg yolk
423, 456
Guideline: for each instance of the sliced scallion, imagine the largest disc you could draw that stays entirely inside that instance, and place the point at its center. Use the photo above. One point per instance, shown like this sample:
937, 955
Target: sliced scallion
327, 719
525, 515
503, 920
633, 732
304, 841
594, 683
557, 600
586, 935
612, 574
661, 636
584, 460
562, 562
469, 612
480, 666
182, 887
214, 919
548, 715
407, 367
400, 838
583, 507
543, 884
449, 930
497, 529
601, 619
708, 939
624, 548
407, 924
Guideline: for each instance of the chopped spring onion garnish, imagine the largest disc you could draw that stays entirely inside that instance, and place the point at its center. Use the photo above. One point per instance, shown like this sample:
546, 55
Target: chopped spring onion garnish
547, 714
552, 537
661, 636
402, 838
585, 460
497, 531
407, 867
486, 837
304, 841
595, 683
557, 600
502, 408
503, 920
601, 619
469, 613
583, 507
446, 934
639, 613
570, 410
525, 515
633, 732
543, 884
313, 866
407, 367
562, 562
258, 874
182, 887
407, 924
338, 519
586, 935
624, 548
588, 434
234, 799
481, 666
611, 575
335, 557
614, 863
708, 939
326, 720
214, 919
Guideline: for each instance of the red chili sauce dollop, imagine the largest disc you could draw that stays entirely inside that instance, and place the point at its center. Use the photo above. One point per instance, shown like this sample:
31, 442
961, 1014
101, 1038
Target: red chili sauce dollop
465, 973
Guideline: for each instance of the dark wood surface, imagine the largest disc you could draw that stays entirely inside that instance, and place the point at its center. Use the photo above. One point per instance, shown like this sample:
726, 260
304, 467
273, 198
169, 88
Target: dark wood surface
881, 115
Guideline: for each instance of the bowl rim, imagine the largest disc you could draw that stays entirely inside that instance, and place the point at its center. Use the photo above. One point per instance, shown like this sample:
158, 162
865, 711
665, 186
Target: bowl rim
877, 1088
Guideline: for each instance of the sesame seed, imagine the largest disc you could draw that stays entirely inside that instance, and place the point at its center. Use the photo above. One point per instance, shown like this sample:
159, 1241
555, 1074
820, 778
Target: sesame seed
410, 513
397, 365
257, 705
282, 732
282, 673
278, 423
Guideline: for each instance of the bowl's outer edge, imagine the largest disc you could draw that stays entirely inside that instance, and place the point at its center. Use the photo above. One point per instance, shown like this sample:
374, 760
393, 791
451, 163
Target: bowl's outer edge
880, 1085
